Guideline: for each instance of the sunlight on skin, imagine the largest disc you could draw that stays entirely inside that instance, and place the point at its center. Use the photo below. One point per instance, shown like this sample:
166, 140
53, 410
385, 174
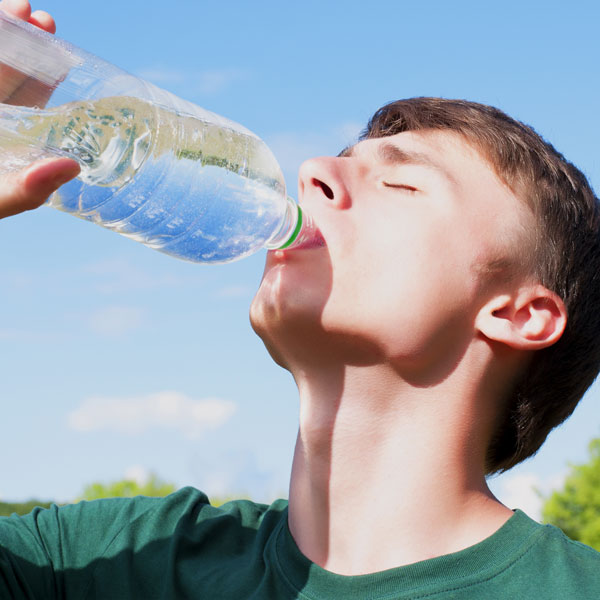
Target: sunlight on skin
27, 189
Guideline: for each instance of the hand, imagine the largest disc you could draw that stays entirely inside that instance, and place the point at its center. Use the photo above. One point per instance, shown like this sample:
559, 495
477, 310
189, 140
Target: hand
22, 10
28, 188
15, 87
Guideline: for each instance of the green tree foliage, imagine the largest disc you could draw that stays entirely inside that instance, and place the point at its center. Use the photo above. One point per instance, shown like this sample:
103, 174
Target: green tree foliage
127, 488
576, 508
124, 488
20, 508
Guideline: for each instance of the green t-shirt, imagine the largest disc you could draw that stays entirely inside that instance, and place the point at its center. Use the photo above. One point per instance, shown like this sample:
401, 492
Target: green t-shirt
181, 547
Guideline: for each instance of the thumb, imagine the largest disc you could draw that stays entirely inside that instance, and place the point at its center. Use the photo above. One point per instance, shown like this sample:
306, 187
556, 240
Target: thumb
29, 188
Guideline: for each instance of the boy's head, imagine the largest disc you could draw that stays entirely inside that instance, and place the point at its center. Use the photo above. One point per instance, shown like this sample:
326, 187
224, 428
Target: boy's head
566, 258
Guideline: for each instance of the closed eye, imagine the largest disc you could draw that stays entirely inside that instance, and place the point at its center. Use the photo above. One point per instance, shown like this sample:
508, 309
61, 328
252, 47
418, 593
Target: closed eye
401, 186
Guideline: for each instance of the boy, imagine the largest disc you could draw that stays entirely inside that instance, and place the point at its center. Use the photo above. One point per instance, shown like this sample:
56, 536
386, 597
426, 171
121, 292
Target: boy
442, 329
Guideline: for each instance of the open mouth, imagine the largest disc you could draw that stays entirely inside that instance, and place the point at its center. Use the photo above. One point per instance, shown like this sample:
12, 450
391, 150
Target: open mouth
309, 238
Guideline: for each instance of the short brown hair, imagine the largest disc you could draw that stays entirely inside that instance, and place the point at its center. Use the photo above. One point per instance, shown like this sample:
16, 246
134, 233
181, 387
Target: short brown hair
567, 257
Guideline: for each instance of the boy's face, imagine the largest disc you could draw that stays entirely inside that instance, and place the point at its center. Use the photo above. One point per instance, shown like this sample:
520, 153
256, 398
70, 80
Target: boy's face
410, 222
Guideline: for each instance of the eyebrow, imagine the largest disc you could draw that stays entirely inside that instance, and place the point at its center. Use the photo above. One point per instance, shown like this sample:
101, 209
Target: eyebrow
393, 155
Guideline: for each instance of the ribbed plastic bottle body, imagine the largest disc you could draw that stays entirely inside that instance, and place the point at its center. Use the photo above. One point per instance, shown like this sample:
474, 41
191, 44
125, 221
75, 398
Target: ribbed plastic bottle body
175, 182
156, 168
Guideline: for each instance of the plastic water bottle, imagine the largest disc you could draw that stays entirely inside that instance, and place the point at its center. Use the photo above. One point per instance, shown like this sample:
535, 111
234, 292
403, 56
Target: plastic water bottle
155, 168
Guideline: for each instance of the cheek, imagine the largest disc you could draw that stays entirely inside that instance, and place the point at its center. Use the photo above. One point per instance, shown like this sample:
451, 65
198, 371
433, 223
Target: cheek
407, 294
291, 291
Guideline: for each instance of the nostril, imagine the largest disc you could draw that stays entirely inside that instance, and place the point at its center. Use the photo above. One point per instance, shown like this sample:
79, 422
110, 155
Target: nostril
326, 189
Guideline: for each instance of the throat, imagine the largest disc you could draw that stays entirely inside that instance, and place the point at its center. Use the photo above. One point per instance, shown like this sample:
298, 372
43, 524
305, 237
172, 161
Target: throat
374, 488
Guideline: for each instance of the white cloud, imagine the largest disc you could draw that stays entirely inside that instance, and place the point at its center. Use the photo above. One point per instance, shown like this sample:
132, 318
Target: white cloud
240, 472
234, 291
115, 321
17, 280
292, 148
119, 275
209, 81
519, 491
168, 410
37, 332
137, 473
526, 491
31, 336
349, 132
215, 81
161, 75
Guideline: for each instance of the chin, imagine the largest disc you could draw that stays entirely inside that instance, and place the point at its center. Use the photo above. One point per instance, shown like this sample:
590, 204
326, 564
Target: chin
292, 286
277, 307
265, 321
286, 315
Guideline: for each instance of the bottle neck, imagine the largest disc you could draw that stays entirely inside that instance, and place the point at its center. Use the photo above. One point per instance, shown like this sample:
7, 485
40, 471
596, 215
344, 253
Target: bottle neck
289, 229
300, 221
297, 229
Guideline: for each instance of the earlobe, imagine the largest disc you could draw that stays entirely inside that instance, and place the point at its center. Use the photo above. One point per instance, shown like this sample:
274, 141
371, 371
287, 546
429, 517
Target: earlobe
531, 319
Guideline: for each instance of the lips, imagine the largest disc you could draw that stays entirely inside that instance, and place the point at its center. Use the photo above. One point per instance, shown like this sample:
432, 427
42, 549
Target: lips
309, 237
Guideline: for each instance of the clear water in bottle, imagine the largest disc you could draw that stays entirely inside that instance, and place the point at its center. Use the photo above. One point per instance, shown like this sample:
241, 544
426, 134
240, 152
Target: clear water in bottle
170, 180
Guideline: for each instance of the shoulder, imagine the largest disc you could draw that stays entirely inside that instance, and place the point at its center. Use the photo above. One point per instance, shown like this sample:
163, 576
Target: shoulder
135, 544
88, 529
557, 547
572, 568
191, 507
187, 508
76, 535
525, 559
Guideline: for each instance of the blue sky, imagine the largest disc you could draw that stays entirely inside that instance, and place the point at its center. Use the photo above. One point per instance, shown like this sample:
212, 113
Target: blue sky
163, 347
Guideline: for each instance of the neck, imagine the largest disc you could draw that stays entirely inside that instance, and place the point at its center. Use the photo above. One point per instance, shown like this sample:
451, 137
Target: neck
402, 466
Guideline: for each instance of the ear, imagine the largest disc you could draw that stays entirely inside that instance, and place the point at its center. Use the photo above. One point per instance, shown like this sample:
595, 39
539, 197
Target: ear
531, 319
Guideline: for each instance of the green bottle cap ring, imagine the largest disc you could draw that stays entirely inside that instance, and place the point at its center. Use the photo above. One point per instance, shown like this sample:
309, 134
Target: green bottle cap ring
295, 232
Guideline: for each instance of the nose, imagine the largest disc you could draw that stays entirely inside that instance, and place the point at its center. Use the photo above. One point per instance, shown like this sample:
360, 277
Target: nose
325, 178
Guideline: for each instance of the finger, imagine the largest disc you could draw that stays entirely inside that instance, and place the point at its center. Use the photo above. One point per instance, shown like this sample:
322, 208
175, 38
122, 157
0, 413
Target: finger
29, 188
11, 79
31, 93
17, 8
15, 87
41, 19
